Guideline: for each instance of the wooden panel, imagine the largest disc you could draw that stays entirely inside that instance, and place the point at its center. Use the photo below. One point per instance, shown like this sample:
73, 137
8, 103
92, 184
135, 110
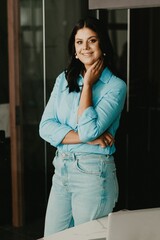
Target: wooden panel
122, 4
14, 95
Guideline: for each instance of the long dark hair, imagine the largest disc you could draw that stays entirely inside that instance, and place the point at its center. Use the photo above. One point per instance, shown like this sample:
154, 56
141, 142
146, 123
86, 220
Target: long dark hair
75, 66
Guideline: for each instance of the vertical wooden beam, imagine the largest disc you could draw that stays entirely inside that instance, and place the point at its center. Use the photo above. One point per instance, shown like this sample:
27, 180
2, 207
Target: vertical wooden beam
15, 128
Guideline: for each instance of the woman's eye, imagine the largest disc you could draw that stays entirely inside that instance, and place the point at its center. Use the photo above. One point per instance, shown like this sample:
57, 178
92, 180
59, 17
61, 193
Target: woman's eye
79, 42
93, 40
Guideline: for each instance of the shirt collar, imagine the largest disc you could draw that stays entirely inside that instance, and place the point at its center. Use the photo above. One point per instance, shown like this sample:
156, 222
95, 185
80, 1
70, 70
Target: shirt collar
104, 77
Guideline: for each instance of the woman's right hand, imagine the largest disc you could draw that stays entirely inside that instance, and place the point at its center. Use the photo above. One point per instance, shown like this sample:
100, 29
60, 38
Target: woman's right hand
93, 72
106, 139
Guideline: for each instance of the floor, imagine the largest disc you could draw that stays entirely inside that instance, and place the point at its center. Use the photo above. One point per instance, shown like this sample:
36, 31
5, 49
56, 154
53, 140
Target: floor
34, 229
29, 232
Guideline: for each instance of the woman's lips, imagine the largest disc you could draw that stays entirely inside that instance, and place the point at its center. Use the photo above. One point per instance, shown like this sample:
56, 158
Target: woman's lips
86, 54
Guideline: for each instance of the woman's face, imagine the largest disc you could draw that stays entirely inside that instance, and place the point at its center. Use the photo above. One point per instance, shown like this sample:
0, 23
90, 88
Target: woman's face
87, 46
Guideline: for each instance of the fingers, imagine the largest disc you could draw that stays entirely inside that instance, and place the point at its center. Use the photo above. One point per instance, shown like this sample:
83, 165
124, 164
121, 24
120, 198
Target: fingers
93, 72
108, 139
108, 143
98, 65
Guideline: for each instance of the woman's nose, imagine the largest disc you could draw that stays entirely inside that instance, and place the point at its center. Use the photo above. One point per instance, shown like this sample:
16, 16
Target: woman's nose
85, 46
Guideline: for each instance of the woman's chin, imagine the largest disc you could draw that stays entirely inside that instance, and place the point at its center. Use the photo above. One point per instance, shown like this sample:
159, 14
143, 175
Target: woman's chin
88, 63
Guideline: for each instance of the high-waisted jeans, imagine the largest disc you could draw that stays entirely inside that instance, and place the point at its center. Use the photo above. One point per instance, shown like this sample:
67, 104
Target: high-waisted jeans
84, 188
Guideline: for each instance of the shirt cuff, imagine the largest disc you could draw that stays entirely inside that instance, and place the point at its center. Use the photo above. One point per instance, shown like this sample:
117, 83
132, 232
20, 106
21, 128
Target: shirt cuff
58, 136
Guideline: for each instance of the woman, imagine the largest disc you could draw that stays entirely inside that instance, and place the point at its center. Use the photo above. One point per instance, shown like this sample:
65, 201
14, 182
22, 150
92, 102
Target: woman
81, 119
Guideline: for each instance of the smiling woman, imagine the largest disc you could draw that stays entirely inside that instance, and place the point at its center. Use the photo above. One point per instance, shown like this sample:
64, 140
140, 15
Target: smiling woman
80, 120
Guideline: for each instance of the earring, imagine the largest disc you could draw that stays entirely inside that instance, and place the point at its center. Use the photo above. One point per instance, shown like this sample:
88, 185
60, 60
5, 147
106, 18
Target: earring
76, 56
104, 54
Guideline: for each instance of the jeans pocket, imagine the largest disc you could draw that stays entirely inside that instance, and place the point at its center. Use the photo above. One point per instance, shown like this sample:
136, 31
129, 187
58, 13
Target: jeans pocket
89, 165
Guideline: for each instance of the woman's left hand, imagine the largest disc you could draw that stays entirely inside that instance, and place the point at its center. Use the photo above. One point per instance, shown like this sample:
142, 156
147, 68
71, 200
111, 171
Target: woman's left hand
106, 139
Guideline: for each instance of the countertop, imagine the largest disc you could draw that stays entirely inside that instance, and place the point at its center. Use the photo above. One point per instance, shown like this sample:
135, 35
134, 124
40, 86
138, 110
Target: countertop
93, 230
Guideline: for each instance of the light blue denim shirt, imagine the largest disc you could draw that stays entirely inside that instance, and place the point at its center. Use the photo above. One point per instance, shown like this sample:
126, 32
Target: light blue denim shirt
60, 114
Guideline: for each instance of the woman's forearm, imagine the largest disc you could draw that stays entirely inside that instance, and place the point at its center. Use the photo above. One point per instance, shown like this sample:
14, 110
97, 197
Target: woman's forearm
104, 140
91, 76
71, 138
86, 99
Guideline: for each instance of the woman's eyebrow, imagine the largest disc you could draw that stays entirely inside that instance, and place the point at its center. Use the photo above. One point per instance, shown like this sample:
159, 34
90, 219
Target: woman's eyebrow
87, 38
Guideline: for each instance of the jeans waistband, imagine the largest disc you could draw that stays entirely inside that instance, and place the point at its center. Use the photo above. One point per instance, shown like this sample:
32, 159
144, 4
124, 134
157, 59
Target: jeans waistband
80, 154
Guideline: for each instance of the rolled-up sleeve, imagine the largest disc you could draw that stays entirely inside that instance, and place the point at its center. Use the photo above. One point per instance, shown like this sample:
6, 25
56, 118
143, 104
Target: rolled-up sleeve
50, 129
95, 120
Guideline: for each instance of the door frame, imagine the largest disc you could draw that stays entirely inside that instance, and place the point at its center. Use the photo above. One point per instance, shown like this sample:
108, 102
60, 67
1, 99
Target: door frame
13, 11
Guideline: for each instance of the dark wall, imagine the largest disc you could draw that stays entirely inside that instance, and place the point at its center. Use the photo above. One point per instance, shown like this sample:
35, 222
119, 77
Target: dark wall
5, 171
4, 90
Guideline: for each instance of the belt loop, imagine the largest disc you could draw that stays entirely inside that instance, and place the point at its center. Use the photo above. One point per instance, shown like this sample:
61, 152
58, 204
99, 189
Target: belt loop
74, 156
57, 153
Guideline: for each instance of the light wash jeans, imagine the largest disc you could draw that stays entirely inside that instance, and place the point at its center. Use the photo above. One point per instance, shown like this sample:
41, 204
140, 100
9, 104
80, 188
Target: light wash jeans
84, 188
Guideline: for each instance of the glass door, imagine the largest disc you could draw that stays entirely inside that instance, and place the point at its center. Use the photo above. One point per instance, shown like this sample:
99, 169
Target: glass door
44, 31
135, 35
144, 109
117, 23
32, 104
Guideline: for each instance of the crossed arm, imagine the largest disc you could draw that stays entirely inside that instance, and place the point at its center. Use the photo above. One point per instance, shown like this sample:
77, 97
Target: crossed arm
104, 140
90, 78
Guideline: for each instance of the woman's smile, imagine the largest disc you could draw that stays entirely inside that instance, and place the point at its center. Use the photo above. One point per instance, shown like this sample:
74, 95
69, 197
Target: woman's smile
87, 54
